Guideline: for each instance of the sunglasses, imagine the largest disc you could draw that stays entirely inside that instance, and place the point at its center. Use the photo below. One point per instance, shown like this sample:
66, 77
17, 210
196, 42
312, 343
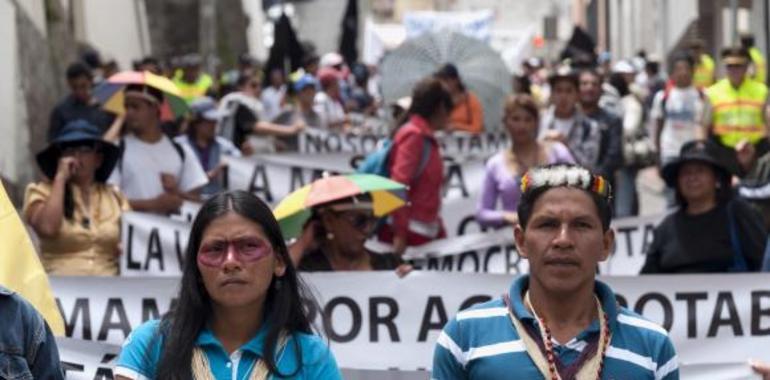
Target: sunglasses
245, 250
360, 221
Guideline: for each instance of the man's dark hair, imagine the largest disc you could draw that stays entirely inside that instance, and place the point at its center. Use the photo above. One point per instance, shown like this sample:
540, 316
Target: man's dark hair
682, 56
79, 70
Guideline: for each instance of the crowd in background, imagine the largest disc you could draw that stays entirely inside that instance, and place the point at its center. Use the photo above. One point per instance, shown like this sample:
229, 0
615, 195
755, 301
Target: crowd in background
707, 136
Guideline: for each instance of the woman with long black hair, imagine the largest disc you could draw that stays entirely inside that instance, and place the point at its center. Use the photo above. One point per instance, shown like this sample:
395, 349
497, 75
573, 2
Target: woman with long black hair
239, 313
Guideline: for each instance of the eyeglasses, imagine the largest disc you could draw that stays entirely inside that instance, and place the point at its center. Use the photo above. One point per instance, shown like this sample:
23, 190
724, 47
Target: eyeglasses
360, 221
245, 250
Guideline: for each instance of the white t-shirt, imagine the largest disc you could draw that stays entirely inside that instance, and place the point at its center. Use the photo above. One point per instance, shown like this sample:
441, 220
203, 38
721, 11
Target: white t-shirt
563, 125
328, 109
683, 115
138, 173
271, 101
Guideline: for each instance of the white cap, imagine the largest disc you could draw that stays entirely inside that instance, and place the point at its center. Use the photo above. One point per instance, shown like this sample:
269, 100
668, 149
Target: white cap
331, 59
623, 67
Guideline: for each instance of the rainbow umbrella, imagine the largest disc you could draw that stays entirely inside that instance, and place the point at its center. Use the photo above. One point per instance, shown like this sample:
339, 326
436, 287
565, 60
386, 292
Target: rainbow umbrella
294, 210
110, 92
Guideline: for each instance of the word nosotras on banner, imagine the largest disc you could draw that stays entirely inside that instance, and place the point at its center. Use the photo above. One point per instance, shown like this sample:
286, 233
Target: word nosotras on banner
385, 322
154, 246
314, 140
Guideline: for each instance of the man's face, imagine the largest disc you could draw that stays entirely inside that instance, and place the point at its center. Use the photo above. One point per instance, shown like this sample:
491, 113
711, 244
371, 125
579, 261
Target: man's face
564, 96
81, 88
736, 73
590, 88
140, 113
564, 240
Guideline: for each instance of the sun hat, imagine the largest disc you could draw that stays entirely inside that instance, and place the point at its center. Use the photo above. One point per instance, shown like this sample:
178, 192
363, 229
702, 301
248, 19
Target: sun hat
74, 133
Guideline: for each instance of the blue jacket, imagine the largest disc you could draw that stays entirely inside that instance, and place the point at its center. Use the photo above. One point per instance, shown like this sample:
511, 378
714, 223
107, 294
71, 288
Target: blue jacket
27, 346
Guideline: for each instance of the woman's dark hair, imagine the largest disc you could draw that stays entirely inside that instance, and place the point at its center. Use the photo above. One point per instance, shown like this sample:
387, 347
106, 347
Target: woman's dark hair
616, 80
283, 309
682, 56
449, 71
724, 190
428, 95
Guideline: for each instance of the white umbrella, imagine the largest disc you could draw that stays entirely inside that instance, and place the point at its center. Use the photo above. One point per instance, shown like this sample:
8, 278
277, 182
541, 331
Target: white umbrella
481, 69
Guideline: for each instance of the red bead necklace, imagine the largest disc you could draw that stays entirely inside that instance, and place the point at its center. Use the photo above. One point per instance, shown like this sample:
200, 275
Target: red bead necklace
545, 334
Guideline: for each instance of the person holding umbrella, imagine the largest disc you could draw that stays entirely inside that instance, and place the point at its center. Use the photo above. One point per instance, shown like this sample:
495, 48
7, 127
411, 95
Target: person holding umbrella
467, 114
74, 212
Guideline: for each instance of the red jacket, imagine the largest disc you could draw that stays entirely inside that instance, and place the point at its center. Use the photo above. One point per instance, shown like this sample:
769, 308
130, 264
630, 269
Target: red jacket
424, 191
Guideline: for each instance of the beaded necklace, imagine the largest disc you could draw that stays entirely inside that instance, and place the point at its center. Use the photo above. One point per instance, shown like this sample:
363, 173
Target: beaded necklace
545, 335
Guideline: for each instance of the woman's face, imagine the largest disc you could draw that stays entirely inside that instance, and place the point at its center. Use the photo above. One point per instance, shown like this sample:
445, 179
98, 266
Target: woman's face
237, 262
87, 157
521, 125
349, 229
697, 181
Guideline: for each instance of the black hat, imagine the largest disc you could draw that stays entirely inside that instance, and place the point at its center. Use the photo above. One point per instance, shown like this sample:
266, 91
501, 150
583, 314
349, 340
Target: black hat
74, 133
564, 72
700, 151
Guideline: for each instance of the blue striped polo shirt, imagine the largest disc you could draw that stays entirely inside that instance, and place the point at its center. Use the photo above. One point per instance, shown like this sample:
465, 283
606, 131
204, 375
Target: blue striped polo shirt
141, 353
482, 343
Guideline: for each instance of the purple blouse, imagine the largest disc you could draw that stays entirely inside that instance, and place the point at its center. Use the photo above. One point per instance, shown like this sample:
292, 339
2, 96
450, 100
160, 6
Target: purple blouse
500, 182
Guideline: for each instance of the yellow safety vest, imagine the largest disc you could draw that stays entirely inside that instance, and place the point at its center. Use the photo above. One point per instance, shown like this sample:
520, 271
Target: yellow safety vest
738, 114
191, 91
704, 72
760, 70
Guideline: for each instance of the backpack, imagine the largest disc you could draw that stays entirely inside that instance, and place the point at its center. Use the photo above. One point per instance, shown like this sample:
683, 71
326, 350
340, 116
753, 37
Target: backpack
122, 149
377, 161
667, 92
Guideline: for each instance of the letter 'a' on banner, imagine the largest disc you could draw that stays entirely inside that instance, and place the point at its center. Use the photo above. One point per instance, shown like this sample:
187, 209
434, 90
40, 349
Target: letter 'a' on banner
20, 267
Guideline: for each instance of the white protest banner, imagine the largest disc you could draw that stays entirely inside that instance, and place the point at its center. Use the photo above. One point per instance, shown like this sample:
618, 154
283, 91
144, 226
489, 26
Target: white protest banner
153, 245
454, 144
87, 360
495, 251
376, 320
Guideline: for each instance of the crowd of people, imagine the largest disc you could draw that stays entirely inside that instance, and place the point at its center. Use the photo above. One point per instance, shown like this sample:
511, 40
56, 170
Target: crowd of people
580, 133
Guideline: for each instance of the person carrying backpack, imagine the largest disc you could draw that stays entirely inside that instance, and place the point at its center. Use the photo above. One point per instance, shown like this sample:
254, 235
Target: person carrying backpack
154, 172
677, 112
407, 161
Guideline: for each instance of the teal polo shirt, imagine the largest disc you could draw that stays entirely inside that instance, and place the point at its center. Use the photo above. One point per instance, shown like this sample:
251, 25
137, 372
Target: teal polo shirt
142, 351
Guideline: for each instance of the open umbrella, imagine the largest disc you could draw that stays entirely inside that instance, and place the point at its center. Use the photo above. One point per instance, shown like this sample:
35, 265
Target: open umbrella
110, 92
481, 68
294, 210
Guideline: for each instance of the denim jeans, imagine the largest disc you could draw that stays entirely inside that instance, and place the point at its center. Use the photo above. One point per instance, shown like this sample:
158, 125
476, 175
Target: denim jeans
27, 347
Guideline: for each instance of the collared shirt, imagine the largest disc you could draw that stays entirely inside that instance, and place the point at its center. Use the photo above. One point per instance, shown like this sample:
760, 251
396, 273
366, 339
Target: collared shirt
482, 343
87, 244
141, 354
27, 346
